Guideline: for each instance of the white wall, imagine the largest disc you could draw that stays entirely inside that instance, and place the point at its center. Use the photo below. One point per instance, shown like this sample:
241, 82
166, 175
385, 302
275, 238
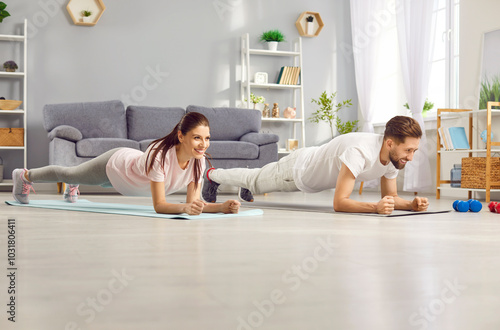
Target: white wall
193, 45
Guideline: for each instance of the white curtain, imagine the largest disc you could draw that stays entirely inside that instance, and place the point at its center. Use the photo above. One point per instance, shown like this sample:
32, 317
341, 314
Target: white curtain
365, 43
414, 23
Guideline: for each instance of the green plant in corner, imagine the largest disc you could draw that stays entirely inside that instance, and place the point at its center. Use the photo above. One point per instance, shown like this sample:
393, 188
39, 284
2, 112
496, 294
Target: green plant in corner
328, 112
86, 13
3, 13
272, 35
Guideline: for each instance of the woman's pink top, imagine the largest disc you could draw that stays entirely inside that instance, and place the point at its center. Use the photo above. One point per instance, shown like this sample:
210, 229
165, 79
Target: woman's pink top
126, 172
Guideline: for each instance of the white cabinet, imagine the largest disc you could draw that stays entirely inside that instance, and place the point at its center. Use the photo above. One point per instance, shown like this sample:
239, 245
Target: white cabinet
22, 112
296, 91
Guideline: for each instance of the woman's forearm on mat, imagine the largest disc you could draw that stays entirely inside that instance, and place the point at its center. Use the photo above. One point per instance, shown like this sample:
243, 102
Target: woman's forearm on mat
169, 208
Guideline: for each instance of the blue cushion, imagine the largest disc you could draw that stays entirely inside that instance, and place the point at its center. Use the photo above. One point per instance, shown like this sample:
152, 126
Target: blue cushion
151, 122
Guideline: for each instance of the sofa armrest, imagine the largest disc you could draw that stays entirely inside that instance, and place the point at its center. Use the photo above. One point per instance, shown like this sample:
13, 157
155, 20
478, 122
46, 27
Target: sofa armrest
66, 132
260, 138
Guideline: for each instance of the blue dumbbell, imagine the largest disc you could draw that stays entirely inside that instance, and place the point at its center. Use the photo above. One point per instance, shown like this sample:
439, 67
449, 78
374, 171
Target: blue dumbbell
460, 206
474, 205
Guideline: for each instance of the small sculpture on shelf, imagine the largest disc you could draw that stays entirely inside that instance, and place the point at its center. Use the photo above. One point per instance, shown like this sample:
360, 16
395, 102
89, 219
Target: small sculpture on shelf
276, 111
289, 113
266, 113
10, 66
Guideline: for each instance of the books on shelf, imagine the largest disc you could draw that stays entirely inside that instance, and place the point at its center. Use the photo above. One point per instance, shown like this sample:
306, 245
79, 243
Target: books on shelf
453, 138
289, 75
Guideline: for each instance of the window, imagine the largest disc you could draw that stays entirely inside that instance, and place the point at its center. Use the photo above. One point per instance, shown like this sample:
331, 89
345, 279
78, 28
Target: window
443, 79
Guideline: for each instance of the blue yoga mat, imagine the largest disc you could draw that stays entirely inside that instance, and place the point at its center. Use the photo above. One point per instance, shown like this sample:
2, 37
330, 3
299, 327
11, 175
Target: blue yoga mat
84, 205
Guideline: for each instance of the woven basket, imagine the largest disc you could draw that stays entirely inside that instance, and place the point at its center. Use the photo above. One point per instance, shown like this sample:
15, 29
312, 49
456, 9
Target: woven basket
474, 172
12, 137
9, 104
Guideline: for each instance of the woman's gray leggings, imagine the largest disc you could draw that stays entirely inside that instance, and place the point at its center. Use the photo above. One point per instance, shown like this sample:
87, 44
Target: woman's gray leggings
92, 172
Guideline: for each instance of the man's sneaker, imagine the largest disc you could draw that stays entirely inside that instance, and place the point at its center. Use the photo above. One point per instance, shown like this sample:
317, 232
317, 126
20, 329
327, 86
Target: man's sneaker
21, 187
209, 190
71, 193
245, 195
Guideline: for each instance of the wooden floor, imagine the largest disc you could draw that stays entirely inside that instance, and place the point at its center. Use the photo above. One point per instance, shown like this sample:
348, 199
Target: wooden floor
283, 270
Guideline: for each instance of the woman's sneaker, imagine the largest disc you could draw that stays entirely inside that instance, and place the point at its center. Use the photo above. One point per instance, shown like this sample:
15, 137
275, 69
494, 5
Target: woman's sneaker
245, 195
21, 187
71, 193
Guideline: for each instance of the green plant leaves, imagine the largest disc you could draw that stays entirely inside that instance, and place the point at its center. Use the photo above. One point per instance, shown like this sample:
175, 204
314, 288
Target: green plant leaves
3, 12
327, 113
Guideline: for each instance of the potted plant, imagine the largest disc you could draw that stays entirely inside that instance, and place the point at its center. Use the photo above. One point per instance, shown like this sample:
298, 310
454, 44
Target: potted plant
3, 13
310, 25
256, 99
328, 113
427, 106
10, 66
86, 16
272, 37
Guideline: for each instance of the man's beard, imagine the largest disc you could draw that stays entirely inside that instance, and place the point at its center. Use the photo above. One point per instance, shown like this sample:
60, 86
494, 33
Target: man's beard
395, 161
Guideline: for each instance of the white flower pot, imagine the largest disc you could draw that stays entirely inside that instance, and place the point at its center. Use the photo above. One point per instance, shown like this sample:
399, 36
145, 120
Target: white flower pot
272, 45
310, 28
86, 19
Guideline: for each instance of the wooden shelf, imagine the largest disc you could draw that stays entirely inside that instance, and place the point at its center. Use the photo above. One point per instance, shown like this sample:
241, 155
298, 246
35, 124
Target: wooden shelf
75, 8
448, 113
301, 24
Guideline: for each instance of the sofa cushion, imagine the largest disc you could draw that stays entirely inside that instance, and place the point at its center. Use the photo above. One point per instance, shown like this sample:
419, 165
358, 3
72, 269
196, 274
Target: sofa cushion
151, 122
233, 150
144, 144
96, 146
92, 119
229, 123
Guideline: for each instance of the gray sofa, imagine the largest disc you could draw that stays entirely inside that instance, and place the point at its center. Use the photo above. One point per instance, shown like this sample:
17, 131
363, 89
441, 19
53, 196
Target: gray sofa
81, 131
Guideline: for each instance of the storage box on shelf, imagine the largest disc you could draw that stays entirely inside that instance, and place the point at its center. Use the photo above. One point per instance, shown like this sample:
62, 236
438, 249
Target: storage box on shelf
297, 91
14, 138
477, 172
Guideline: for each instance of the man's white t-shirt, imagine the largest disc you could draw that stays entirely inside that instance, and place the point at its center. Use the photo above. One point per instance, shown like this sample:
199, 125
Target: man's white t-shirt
317, 168
126, 172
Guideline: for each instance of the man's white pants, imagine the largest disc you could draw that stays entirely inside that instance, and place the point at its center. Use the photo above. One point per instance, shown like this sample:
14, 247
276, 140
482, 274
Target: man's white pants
276, 176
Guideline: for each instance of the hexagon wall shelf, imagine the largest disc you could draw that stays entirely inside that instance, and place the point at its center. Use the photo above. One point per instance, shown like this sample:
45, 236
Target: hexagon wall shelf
317, 24
75, 8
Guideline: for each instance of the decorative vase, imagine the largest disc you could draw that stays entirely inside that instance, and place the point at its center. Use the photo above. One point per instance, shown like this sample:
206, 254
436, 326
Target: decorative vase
289, 113
276, 111
310, 28
272, 45
86, 19
266, 113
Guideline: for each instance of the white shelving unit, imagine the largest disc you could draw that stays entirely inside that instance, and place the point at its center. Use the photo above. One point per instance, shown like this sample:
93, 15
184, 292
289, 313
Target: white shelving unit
17, 75
297, 91
456, 113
